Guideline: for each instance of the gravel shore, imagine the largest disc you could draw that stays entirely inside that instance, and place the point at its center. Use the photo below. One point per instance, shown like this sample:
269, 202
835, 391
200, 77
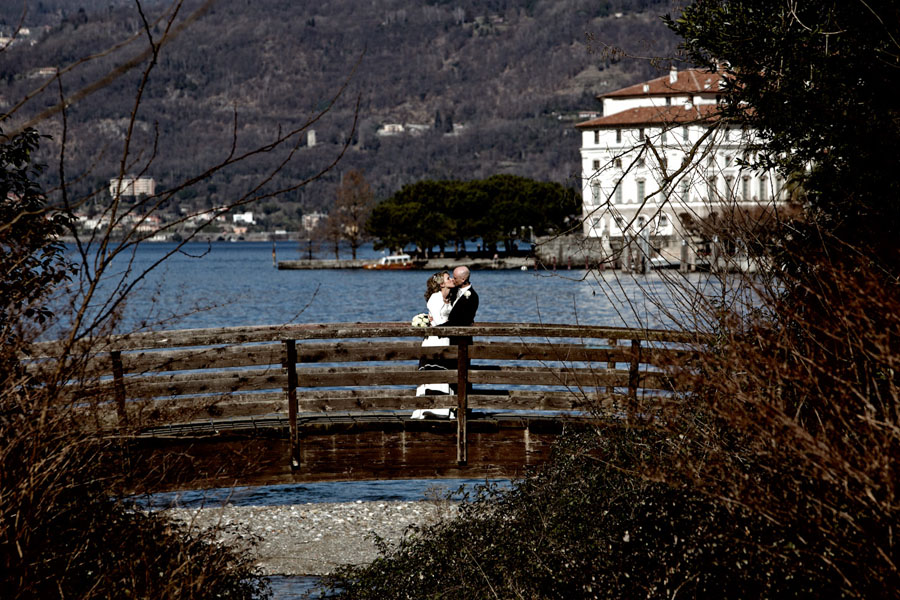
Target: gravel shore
314, 539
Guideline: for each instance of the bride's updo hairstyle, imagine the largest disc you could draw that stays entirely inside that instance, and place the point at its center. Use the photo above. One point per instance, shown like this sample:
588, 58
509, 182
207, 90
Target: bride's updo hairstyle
434, 284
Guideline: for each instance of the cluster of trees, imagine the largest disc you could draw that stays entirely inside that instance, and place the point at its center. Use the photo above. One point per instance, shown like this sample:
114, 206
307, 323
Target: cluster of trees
499, 209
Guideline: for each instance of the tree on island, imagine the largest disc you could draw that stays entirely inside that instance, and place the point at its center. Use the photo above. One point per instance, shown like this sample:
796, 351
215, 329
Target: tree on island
352, 208
499, 209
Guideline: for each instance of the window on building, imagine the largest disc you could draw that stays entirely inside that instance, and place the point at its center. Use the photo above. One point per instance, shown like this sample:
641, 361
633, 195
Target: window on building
618, 194
641, 134
641, 185
778, 184
711, 187
663, 136
595, 223
710, 161
641, 163
727, 160
729, 187
668, 101
641, 220
618, 136
745, 188
620, 223
663, 220
685, 194
595, 192
618, 163
763, 188
596, 165
597, 137
685, 135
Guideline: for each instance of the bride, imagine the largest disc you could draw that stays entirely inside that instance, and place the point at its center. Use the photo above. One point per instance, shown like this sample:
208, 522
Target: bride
439, 300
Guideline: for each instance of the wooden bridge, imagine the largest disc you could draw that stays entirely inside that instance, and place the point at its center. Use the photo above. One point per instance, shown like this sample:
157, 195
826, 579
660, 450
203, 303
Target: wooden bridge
274, 404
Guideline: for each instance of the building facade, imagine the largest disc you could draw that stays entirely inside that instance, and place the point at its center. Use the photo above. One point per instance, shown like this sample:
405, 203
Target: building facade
132, 186
659, 161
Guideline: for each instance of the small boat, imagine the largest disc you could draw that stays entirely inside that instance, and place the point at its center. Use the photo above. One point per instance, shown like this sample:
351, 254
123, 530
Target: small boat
392, 262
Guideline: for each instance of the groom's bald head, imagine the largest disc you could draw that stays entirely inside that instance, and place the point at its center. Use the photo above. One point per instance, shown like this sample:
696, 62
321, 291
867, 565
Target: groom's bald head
461, 275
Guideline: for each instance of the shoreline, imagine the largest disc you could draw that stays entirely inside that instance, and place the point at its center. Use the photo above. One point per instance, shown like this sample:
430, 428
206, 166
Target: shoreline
314, 539
431, 264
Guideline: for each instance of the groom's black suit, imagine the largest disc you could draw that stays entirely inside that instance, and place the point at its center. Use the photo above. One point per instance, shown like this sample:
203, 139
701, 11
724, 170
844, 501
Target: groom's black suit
464, 309
462, 315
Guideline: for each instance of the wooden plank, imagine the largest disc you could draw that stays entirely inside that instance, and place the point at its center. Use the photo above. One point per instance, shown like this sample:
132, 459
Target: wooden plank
200, 383
271, 333
202, 358
550, 376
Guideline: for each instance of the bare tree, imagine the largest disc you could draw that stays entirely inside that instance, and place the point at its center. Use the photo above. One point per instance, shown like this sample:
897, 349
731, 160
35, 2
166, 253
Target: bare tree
352, 207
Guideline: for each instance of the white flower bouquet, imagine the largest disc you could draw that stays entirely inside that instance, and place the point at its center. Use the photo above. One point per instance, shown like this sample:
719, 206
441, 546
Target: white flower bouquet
420, 320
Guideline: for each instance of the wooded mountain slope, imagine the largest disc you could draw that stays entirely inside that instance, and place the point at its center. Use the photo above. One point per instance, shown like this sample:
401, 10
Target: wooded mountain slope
509, 75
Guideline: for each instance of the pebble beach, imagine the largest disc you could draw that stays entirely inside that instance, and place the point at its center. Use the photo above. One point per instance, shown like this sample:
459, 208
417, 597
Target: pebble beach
314, 538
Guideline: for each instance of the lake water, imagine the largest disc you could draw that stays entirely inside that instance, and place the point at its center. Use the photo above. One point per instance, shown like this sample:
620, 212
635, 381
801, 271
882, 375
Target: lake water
230, 284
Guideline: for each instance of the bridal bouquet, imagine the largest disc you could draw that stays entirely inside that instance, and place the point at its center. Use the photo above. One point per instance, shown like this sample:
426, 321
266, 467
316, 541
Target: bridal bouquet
420, 320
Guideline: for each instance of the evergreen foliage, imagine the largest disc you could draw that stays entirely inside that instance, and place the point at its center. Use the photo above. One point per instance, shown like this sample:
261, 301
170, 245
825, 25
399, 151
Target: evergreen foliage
499, 209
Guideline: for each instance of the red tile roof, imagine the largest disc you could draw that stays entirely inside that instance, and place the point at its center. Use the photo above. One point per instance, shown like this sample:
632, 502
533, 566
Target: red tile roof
654, 115
691, 81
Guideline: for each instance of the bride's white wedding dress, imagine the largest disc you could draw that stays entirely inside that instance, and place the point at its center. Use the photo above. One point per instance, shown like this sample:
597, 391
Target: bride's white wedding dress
439, 312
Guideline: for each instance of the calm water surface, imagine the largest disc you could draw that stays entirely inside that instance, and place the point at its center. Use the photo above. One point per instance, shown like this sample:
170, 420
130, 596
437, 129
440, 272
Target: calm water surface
229, 284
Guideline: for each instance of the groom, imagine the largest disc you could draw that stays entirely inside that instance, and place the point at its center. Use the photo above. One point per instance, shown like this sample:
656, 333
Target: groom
466, 303
462, 314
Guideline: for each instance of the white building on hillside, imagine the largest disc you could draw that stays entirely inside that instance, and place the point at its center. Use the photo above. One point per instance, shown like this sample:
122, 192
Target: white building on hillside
132, 186
658, 161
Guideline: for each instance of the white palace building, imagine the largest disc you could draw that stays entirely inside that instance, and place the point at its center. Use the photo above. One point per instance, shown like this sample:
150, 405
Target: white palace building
658, 161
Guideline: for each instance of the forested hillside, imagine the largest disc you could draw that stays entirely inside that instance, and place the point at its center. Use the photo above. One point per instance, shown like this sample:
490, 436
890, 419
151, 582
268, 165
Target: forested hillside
496, 87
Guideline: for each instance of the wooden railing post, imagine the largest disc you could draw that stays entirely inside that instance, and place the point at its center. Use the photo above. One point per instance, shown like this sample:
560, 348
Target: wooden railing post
119, 386
289, 363
633, 371
611, 365
462, 395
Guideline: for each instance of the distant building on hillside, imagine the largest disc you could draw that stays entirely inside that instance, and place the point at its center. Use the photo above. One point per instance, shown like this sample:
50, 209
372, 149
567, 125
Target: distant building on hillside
312, 220
635, 185
244, 217
132, 186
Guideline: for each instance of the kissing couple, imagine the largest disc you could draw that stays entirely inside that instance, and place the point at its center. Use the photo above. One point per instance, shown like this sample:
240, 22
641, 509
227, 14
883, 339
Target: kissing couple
451, 302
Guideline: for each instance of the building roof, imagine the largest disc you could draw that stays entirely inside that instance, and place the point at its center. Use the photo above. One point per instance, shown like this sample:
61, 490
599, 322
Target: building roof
655, 115
691, 81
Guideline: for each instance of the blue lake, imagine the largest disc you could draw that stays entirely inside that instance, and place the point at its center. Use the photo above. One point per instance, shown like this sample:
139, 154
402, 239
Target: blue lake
228, 284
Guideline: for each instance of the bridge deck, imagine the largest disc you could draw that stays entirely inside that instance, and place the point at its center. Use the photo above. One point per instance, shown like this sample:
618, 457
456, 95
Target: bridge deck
345, 446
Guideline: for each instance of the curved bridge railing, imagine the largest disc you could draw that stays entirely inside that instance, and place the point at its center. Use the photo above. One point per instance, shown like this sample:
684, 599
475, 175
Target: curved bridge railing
157, 379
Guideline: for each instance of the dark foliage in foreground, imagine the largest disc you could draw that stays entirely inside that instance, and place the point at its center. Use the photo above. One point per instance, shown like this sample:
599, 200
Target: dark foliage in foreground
585, 526
61, 534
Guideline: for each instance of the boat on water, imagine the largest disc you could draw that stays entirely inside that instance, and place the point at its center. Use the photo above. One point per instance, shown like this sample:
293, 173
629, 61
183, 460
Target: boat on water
392, 262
